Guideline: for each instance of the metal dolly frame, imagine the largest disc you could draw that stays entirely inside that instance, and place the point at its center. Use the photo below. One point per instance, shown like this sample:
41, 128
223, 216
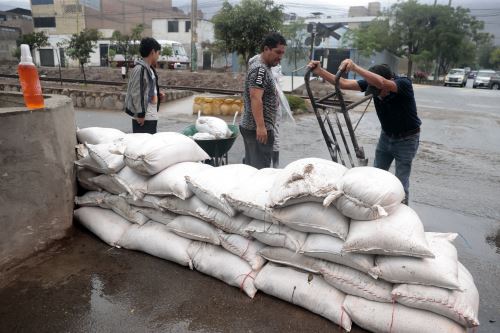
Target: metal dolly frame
327, 106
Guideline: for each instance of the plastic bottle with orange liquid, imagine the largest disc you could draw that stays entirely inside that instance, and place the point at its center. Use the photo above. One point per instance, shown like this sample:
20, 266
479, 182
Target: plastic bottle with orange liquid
30, 82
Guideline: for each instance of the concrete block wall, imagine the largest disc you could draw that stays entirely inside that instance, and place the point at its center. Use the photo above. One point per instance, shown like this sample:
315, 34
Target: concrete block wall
37, 175
108, 100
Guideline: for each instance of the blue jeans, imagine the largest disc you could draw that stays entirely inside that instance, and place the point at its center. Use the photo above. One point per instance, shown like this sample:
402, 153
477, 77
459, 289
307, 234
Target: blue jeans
403, 150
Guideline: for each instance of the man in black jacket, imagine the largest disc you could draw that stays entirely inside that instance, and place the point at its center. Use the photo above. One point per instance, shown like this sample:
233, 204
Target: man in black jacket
396, 110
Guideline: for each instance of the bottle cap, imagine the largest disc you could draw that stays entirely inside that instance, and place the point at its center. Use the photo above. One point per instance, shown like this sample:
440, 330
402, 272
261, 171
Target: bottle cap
26, 53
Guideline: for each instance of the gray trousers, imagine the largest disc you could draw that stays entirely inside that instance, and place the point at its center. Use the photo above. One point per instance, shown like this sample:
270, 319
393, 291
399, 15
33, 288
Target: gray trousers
257, 154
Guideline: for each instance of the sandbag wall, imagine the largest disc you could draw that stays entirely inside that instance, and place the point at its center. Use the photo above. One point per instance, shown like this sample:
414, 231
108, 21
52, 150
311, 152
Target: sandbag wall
337, 242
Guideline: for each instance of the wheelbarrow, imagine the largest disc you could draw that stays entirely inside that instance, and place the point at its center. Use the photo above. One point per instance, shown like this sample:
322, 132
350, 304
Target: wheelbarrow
217, 149
331, 105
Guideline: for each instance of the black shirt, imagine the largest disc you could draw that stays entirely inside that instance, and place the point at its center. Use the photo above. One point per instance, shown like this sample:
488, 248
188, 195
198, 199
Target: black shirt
397, 112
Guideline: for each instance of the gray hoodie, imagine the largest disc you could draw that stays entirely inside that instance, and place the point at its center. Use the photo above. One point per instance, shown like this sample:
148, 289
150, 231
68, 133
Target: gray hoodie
138, 89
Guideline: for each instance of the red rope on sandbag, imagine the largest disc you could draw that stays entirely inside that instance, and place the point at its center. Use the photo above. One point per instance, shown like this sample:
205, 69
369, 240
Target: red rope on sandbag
246, 277
392, 317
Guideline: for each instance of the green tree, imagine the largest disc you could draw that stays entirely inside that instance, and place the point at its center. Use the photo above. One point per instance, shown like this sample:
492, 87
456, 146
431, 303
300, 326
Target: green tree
241, 27
450, 35
81, 45
295, 33
495, 58
135, 37
128, 44
484, 54
34, 40
167, 51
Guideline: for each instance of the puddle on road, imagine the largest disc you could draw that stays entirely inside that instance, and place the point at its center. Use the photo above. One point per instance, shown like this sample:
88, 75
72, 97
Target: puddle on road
494, 241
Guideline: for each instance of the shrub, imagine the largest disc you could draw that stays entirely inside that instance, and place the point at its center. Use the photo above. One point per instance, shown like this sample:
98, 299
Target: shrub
297, 104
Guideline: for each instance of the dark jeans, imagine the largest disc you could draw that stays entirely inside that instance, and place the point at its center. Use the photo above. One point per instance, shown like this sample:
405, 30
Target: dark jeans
257, 154
403, 150
148, 127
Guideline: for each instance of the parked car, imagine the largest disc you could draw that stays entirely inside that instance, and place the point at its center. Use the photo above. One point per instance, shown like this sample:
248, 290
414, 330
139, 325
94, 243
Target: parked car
495, 82
456, 77
472, 74
483, 78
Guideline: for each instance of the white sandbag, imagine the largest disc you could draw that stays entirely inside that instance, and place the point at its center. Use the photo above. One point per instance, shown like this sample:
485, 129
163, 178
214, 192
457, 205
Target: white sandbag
108, 162
160, 216
233, 225
121, 207
399, 234
244, 248
155, 239
104, 223
172, 181
93, 199
220, 264
305, 290
191, 206
276, 235
330, 248
148, 201
460, 306
213, 126
204, 136
116, 203
211, 184
440, 271
251, 195
97, 135
84, 177
391, 318
354, 282
313, 217
89, 163
367, 193
282, 256
305, 179
195, 229
161, 151
197, 208
81, 151
125, 181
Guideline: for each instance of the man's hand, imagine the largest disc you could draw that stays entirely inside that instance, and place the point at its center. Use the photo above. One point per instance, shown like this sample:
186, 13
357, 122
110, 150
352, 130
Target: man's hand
315, 65
348, 65
261, 135
162, 96
140, 121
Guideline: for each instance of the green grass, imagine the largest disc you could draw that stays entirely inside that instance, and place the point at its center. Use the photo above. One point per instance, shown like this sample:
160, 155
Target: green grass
297, 104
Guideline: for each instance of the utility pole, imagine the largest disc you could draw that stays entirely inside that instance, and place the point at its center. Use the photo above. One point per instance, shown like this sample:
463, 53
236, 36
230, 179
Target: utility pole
194, 37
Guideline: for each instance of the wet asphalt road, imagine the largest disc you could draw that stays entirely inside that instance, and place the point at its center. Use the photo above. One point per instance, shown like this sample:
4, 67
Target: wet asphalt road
83, 285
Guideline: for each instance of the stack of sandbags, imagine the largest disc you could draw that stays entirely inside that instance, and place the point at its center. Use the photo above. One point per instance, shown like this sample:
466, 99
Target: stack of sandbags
338, 241
139, 199
373, 249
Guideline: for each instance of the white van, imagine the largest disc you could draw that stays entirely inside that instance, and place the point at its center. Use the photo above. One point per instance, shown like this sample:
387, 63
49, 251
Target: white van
456, 77
179, 58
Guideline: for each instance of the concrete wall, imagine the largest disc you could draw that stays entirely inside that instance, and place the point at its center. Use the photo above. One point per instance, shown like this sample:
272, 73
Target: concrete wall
107, 100
37, 179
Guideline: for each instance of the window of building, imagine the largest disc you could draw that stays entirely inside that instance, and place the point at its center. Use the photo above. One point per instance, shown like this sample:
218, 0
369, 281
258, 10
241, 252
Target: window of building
44, 22
173, 26
188, 26
42, 2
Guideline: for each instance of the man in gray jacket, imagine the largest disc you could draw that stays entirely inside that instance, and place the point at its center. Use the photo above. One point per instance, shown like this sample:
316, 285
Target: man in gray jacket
142, 101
